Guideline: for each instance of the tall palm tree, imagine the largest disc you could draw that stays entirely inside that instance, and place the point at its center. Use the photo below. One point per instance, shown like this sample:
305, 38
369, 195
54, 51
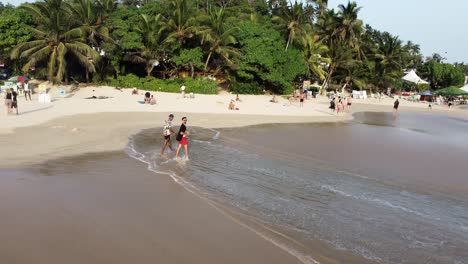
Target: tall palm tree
85, 14
181, 25
152, 51
389, 58
54, 38
218, 37
295, 21
315, 57
349, 26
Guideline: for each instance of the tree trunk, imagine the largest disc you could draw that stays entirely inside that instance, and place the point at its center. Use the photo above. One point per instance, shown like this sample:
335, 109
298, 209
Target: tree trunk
149, 70
207, 61
331, 70
192, 70
87, 75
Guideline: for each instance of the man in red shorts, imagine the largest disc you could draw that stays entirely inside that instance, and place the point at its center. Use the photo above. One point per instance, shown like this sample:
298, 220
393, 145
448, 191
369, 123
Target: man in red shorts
182, 138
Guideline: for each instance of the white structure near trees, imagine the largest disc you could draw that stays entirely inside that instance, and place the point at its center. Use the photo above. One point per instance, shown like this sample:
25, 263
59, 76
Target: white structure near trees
411, 76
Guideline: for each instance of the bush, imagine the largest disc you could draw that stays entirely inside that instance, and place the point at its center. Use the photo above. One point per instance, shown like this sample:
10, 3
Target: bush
199, 86
246, 88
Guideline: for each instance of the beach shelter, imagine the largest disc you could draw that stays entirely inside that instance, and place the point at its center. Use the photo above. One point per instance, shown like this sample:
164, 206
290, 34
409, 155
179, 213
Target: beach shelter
411, 76
426, 93
451, 91
465, 88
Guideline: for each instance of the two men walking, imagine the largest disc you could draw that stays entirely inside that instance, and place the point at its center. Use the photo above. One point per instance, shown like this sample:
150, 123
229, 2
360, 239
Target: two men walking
181, 136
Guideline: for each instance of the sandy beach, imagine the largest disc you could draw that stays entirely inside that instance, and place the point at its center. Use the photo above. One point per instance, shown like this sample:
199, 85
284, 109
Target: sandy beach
134, 216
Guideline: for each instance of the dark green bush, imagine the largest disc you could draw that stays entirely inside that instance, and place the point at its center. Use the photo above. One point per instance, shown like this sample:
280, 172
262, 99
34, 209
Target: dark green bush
199, 86
246, 88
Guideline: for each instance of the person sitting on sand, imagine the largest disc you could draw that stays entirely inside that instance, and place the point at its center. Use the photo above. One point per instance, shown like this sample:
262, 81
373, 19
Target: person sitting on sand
152, 100
232, 106
274, 99
147, 97
135, 91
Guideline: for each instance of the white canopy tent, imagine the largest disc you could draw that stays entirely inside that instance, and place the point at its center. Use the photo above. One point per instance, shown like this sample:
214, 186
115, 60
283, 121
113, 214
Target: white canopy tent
465, 88
411, 76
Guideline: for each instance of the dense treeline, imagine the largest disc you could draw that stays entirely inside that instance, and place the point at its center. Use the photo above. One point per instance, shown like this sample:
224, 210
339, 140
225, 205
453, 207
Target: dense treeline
255, 45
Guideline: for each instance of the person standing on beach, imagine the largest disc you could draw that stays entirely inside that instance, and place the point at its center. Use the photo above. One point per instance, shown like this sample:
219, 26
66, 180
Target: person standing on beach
27, 91
182, 138
14, 101
8, 101
301, 99
349, 103
395, 107
332, 105
167, 131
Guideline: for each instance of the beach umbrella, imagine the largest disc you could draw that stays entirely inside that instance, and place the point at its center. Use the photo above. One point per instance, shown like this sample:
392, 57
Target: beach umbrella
450, 91
426, 93
13, 79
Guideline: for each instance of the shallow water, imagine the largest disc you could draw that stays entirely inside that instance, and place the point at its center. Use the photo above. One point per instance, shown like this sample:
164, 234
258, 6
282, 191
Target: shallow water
388, 190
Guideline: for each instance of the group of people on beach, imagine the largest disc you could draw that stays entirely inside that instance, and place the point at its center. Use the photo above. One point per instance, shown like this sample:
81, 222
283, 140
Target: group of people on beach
342, 105
11, 101
181, 136
11, 96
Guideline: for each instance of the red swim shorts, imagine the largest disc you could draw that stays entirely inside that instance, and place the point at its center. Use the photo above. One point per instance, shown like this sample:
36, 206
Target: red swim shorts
183, 141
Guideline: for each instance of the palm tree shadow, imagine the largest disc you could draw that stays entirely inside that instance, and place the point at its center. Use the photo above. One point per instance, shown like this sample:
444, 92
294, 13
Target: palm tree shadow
36, 110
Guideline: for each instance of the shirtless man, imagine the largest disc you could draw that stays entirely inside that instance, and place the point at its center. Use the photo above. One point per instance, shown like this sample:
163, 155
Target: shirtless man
167, 131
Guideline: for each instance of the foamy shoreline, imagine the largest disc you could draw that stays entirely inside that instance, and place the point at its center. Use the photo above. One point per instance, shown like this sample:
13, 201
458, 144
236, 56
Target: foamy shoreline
73, 126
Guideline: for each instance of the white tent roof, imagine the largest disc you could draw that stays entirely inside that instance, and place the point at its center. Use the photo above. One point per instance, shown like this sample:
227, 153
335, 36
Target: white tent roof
465, 88
411, 76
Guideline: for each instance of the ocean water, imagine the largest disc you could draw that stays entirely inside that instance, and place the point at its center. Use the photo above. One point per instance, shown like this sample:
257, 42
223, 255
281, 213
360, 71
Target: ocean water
384, 189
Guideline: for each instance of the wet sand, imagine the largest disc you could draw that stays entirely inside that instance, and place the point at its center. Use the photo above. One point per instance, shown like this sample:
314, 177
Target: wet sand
92, 211
108, 208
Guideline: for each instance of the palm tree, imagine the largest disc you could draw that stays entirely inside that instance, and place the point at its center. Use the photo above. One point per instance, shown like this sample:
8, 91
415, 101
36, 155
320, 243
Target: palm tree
218, 37
86, 14
181, 24
54, 38
152, 50
349, 26
389, 58
314, 54
295, 21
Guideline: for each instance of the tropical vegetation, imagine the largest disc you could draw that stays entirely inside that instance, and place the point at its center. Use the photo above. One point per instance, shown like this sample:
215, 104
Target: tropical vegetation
250, 46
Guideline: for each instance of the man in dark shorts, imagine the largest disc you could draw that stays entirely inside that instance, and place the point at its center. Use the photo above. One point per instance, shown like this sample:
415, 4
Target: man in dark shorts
167, 131
182, 138
14, 103
395, 106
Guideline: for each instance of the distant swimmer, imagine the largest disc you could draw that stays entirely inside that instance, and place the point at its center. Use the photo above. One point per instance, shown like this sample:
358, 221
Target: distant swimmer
182, 138
167, 131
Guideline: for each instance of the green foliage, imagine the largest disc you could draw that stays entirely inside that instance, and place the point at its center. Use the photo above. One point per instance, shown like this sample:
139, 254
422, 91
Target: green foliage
14, 29
189, 57
246, 88
265, 61
198, 86
442, 74
258, 45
